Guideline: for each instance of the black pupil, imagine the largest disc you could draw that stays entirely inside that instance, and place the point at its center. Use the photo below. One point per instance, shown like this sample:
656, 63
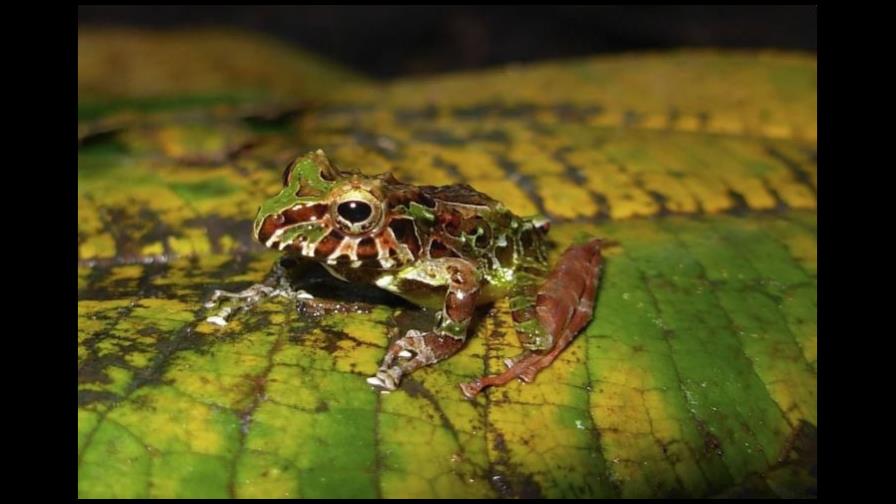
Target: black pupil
354, 211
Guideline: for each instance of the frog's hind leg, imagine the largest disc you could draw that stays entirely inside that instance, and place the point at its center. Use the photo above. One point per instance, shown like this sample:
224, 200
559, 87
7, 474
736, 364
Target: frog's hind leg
417, 349
562, 307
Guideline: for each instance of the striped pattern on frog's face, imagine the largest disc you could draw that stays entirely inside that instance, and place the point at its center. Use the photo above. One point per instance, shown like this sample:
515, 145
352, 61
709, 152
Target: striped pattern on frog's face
339, 218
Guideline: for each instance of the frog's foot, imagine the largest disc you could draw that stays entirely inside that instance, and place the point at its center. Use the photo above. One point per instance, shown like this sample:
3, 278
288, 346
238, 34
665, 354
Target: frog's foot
521, 368
275, 284
415, 350
234, 302
524, 367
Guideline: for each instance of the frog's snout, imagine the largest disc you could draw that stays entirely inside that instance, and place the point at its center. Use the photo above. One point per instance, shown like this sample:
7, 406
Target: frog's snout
265, 227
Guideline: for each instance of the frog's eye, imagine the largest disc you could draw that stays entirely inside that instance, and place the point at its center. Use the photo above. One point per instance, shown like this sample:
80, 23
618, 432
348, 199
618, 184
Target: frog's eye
357, 212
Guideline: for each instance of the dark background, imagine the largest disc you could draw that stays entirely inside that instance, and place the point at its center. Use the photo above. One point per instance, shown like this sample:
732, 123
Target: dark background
390, 41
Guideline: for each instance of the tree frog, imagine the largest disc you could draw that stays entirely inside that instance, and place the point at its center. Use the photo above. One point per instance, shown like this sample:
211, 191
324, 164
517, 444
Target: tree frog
448, 248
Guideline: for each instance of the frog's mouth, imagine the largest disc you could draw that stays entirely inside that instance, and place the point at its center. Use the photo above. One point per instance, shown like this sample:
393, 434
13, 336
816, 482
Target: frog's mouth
308, 230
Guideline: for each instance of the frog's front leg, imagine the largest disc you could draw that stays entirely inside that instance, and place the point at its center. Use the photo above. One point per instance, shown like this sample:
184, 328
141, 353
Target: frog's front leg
417, 349
548, 319
276, 283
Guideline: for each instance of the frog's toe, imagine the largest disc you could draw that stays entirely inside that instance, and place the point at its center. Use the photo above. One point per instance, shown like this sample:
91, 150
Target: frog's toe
471, 389
386, 379
528, 375
509, 362
378, 383
404, 348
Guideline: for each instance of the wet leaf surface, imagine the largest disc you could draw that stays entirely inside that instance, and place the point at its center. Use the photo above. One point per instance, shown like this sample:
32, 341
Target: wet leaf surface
696, 378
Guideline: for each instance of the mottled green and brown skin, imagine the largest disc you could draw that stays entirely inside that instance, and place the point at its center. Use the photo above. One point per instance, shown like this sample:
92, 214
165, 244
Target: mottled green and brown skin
449, 248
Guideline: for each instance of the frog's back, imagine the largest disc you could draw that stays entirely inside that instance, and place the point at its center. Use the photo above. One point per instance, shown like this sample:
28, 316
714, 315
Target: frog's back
459, 194
474, 226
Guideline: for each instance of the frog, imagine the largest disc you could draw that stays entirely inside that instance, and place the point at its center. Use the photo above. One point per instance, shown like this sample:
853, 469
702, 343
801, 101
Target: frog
450, 249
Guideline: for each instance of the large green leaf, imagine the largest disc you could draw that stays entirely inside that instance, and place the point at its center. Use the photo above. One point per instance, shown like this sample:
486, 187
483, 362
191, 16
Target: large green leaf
696, 378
